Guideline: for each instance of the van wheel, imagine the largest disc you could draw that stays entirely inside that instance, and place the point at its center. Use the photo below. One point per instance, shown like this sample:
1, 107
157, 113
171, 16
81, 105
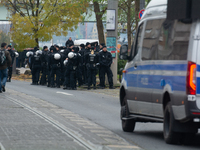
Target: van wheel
127, 125
170, 136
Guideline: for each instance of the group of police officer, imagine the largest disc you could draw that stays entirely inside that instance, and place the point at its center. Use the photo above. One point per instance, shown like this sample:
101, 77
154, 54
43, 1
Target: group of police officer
67, 66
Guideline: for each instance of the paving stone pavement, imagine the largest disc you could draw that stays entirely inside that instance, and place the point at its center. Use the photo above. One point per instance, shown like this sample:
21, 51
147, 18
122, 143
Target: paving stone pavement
21, 129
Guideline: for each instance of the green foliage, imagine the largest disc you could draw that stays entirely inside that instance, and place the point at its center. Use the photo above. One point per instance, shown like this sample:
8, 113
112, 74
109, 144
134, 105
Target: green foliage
120, 64
123, 13
35, 21
4, 38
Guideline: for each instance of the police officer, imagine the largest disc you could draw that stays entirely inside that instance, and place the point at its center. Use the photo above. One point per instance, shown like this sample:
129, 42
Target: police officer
55, 63
12, 55
35, 67
66, 84
78, 70
105, 60
87, 51
62, 50
69, 42
91, 61
82, 64
52, 49
44, 60
99, 66
97, 48
71, 70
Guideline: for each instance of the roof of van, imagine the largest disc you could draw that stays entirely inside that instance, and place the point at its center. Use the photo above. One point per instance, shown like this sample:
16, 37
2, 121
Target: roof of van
154, 3
155, 8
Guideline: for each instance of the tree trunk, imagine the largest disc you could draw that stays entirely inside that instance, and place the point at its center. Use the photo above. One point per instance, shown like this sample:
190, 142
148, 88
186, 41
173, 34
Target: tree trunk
129, 23
137, 9
99, 22
37, 41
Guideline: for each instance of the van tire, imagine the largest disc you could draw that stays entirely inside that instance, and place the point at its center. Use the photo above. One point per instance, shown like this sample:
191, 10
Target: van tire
127, 125
170, 136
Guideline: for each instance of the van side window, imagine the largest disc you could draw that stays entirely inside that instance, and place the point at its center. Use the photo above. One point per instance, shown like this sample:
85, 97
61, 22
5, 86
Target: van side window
150, 42
138, 43
173, 41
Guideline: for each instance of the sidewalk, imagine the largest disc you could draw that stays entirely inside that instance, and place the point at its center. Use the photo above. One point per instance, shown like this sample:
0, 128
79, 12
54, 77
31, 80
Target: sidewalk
21, 129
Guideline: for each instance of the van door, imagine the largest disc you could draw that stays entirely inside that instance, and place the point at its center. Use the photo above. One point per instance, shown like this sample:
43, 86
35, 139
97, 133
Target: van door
146, 66
132, 71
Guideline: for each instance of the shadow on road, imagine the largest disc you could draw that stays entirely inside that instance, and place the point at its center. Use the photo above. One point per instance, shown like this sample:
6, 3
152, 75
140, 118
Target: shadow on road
158, 135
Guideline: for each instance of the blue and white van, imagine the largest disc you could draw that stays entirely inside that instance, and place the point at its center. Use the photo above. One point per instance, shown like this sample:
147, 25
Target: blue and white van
161, 80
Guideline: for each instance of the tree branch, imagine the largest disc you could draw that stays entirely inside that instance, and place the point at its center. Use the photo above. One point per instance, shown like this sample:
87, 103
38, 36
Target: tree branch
16, 8
32, 7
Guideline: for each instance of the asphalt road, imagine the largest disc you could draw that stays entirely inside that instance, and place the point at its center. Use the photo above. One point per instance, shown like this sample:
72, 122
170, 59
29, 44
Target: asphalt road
103, 110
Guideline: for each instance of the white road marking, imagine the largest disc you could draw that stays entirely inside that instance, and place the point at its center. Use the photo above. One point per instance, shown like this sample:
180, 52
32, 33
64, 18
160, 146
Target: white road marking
64, 93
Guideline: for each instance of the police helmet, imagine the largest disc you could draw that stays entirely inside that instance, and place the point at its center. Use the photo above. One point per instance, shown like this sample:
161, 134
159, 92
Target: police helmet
57, 56
16, 54
38, 52
65, 62
28, 54
62, 51
71, 55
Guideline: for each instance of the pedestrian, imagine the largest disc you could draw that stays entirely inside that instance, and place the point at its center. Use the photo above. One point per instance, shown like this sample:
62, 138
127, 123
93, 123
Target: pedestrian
69, 42
105, 60
44, 64
5, 62
91, 61
10, 68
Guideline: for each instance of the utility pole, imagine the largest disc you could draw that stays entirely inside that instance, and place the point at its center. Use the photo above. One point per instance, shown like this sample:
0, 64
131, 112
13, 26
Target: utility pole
142, 4
112, 36
12, 43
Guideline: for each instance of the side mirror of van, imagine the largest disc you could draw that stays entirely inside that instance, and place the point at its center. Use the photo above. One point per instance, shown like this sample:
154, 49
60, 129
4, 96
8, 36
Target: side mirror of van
123, 52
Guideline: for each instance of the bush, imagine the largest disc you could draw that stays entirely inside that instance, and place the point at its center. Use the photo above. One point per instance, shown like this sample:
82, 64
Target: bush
121, 64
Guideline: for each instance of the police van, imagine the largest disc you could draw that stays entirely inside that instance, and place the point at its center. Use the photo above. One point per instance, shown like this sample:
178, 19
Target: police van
161, 80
